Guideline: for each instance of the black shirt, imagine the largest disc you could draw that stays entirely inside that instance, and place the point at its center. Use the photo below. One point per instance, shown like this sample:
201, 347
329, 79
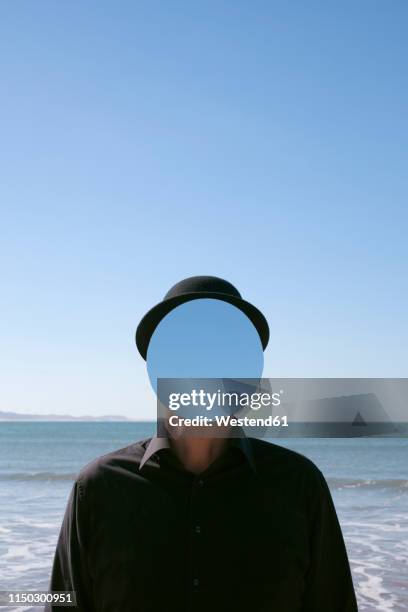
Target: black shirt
256, 531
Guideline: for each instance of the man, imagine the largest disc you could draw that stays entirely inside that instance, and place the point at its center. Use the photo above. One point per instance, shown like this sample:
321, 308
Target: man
207, 524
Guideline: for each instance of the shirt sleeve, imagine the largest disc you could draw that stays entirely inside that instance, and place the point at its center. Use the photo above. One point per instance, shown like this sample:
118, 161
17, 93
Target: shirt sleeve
69, 570
329, 585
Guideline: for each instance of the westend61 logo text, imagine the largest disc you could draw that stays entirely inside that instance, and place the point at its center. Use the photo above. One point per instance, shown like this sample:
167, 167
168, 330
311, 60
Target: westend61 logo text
207, 400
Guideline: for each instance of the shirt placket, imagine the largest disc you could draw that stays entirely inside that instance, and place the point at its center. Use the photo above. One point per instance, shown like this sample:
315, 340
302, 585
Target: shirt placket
196, 534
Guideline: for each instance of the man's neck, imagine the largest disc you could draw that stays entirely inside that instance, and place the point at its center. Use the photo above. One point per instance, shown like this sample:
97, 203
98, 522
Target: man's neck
196, 454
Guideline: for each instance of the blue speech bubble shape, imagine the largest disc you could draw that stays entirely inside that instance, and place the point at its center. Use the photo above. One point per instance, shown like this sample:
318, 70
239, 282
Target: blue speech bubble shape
205, 338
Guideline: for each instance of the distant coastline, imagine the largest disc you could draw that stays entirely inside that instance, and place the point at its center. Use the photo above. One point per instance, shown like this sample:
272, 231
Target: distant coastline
19, 416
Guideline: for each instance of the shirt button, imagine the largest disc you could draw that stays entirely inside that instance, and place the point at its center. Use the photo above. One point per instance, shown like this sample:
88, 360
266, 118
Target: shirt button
196, 582
197, 529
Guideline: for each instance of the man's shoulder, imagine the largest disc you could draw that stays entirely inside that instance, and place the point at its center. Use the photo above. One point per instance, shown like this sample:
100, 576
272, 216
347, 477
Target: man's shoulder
291, 474
100, 469
269, 455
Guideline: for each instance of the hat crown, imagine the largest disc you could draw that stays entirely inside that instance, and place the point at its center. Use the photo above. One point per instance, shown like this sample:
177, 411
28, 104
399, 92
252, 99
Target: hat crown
202, 284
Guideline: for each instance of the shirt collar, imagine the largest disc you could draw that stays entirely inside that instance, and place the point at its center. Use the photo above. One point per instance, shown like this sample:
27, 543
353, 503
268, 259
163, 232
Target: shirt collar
157, 444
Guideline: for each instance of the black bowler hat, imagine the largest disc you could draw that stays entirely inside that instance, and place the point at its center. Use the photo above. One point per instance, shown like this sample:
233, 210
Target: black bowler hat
193, 288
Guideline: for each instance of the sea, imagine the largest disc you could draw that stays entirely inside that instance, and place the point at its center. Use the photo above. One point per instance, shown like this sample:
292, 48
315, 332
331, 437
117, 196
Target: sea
368, 479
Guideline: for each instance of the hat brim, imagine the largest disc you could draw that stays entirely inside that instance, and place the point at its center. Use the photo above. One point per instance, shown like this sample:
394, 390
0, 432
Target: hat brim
152, 318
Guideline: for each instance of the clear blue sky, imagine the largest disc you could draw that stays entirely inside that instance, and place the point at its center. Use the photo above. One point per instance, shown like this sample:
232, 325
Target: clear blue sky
142, 142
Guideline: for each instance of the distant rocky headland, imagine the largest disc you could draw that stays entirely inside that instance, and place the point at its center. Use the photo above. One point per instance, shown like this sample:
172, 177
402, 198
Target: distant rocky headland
19, 416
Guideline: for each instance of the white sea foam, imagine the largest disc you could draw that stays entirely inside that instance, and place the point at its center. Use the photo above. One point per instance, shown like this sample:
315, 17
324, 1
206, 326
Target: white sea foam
375, 550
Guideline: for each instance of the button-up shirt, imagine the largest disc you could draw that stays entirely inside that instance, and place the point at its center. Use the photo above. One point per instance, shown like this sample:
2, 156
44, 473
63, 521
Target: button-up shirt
256, 531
